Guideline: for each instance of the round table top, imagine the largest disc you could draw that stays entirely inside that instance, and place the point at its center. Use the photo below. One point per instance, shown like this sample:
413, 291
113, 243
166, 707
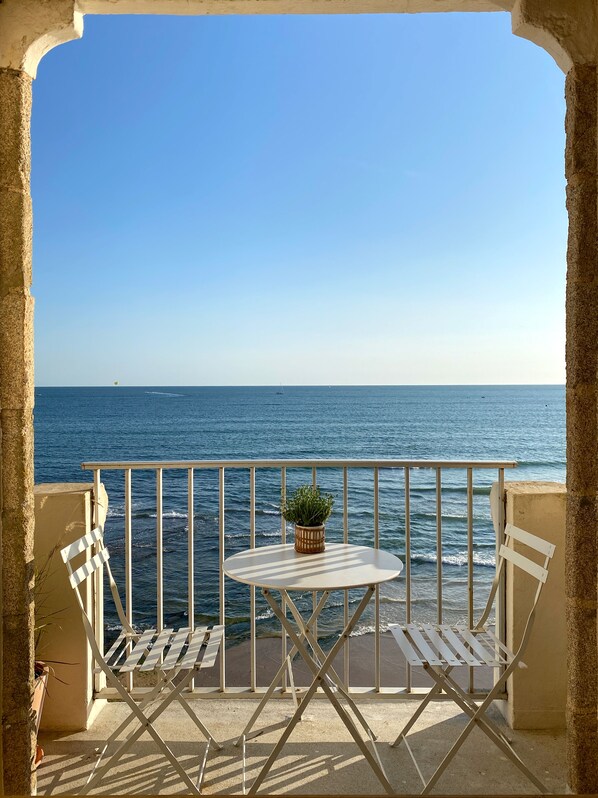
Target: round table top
340, 567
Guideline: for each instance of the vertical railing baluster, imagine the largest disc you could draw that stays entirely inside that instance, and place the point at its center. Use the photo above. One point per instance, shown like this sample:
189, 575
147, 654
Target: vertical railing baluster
314, 595
99, 679
346, 653
221, 573
159, 551
439, 544
190, 555
252, 643
128, 565
377, 593
283, 539
408, 563
470, 596
501, 619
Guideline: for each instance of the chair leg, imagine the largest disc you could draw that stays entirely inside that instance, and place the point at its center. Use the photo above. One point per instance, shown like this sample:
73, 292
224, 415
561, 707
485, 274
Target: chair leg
164, 748
145, 701
474, 708
201, 726
453, 750
413, 719
145, 724
478, 717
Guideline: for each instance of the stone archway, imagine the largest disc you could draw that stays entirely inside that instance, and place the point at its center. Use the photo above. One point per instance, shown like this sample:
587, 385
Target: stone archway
568, 30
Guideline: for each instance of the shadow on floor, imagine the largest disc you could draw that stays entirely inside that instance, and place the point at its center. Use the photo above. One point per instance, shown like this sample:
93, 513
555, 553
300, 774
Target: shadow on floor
320, 757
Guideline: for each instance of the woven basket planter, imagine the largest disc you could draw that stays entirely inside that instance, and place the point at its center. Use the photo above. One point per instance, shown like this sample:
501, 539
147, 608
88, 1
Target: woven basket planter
309, 539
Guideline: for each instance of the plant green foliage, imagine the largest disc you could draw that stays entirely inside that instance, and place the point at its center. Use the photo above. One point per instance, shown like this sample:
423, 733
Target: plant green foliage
307, 506
42, 594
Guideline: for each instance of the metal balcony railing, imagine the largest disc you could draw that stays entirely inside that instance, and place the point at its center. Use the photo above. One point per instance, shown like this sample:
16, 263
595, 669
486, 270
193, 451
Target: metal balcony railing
392, 504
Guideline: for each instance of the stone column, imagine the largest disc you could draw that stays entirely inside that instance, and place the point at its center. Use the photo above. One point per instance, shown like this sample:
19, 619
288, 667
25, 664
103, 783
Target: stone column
568, 30
582, 427
28, 30
16, 425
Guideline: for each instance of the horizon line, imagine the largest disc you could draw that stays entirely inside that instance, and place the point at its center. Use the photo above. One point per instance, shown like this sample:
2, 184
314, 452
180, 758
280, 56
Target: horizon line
333, 385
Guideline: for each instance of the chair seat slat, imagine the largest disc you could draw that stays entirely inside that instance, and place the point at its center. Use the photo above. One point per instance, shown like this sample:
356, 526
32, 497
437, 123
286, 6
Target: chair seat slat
108, 655
176, 645
458, 645
114, 654
214, 643
157, 650
190, 657
493, 640
422, 644
139, 649
405, 646
488, 656
438, 643
89, 567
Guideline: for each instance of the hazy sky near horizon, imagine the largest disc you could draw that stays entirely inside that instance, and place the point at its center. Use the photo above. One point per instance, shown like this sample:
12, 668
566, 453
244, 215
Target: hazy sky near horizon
299, 200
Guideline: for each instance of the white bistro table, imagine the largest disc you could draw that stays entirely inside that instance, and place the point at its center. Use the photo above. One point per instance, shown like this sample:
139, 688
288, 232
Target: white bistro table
340, 567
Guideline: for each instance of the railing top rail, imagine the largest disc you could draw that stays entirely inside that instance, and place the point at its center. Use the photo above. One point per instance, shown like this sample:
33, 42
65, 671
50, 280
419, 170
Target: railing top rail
137, 465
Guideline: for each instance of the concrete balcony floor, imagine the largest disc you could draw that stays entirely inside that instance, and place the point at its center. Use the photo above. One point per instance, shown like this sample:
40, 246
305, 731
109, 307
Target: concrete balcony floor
319, 759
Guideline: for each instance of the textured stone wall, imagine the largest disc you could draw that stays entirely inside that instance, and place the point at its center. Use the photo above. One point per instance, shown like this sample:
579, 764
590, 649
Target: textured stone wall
189, 7
582, 427
16, 425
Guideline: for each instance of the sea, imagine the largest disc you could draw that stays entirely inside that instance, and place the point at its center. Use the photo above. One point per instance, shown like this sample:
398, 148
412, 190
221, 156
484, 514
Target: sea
521, 423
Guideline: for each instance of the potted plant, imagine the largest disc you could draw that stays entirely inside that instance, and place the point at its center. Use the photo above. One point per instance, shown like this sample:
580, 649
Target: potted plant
308, 508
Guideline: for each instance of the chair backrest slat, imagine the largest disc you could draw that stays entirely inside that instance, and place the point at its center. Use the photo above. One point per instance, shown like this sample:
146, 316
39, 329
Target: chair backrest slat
89, 567
80, 545
520, 561
536, 543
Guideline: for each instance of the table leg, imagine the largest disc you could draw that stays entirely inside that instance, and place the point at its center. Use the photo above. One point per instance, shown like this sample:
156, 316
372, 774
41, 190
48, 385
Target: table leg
320, 673
336, 680
285, 664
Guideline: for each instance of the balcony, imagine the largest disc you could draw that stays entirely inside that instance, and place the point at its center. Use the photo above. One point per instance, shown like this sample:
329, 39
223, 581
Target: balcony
169, 527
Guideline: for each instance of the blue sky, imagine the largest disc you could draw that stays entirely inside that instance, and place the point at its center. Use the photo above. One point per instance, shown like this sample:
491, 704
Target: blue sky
370, 199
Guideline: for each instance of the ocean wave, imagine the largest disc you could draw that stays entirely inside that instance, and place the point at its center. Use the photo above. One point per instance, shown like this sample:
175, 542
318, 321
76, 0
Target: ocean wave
458, 560
259, 533
169, 514
163, 393
368, 629
478, 490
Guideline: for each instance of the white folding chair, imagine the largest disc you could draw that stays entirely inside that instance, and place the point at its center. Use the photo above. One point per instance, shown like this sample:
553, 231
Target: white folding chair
174, 656
440, 648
